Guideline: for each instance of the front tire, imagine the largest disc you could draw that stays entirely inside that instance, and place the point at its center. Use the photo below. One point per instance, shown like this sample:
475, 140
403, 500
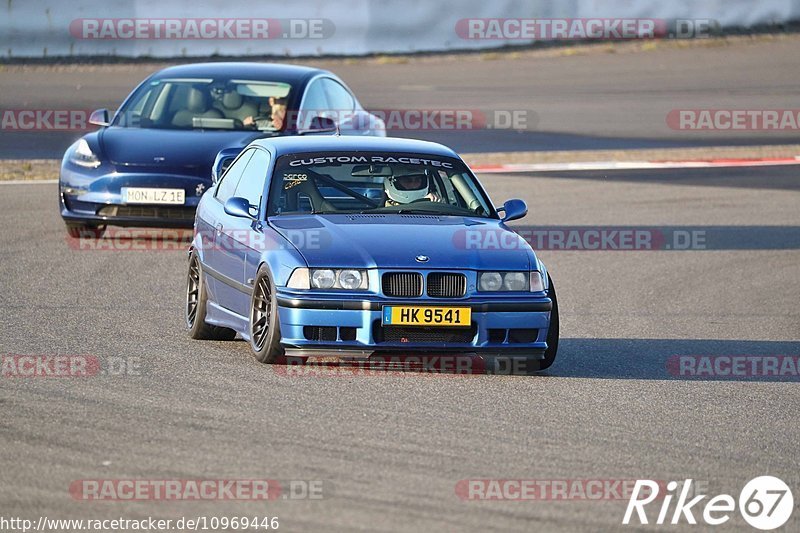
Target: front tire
552, 331
195, 309
265, 329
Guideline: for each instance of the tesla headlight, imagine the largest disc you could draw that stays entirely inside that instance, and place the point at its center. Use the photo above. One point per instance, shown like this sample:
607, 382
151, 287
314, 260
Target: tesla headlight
83, 155
510, 282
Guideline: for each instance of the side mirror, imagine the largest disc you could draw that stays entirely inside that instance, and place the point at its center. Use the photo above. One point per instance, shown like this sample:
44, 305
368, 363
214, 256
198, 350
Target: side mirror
238, 207
320, 125
99, 117
513, 209
221, 164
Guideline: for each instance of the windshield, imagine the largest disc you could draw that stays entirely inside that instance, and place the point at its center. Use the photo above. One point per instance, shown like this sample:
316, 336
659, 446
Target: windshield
361, 182
226, 104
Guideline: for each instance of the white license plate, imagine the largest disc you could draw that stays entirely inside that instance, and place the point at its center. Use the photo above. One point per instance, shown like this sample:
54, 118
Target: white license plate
141, 195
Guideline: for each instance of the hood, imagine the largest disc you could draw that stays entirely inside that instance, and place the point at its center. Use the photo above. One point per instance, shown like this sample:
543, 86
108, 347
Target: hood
183, 151
394, 241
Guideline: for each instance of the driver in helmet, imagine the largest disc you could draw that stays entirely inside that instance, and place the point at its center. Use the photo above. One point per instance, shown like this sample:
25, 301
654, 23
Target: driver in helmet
408, 188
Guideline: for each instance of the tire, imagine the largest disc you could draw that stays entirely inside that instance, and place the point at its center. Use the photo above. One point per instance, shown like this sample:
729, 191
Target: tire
552, 332
264, 324
195, 308
84, 231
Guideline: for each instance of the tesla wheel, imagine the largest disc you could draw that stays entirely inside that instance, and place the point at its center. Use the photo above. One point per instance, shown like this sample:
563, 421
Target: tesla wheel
85, 231
265, 330
552, 332
195, 312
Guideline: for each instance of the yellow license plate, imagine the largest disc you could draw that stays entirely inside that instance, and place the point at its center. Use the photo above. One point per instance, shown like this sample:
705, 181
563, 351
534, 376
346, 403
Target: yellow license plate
402, 315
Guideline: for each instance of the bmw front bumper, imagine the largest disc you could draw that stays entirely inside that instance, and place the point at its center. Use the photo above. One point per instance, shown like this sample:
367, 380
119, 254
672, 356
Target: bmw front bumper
311, 325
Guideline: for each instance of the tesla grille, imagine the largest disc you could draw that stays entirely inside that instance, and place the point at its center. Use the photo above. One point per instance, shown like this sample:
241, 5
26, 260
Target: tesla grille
425, 335
402, 284
446, 285
175, 213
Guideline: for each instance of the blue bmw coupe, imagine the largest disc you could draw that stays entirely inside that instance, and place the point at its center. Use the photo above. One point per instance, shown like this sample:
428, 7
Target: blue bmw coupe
345, 246
150, 163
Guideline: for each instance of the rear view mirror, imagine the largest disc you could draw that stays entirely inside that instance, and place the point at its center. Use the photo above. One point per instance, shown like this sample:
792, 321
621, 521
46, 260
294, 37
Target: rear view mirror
321, 125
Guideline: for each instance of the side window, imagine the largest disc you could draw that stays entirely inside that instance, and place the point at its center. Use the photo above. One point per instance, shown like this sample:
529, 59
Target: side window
230, 179
339, 98
315, 97
251, 185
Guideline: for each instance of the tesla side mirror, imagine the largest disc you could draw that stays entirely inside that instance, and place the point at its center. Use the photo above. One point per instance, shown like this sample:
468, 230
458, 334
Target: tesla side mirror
221, 164
321, 125
513, 210
238, 207
99, 117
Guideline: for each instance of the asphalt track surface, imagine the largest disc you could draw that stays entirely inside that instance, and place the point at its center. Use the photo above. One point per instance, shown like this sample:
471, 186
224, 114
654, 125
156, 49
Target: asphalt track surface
571, 102
390, 449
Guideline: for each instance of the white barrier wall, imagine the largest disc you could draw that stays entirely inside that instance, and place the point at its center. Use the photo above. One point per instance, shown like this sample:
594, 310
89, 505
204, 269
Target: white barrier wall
47, 28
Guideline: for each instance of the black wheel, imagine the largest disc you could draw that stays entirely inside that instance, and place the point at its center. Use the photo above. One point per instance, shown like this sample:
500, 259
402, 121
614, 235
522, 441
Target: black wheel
552, 332
195, 311
85, 231
265, 330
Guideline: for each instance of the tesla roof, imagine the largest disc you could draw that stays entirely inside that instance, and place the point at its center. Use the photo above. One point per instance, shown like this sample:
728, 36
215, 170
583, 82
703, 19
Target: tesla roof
259, 71
352, 143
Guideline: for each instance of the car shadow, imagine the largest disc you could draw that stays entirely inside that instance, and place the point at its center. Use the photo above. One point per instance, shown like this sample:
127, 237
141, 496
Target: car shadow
677, 359
653, 359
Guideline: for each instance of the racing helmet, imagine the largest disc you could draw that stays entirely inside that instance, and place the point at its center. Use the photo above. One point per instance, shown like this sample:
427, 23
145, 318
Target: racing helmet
406, 188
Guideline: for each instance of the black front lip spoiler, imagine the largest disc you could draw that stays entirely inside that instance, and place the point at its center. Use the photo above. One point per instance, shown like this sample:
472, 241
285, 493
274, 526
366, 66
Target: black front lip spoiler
96, 220
542, 306
334, 353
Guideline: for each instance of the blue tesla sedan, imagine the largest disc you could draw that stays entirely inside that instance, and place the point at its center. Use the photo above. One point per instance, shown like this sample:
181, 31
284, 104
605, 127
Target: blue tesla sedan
346, 246
151, 162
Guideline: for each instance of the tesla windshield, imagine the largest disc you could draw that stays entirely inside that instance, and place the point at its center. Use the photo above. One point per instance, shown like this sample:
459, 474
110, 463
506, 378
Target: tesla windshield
328, 183
231, 104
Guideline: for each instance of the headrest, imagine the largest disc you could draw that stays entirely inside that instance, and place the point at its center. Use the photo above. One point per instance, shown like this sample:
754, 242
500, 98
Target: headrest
196, 101
232, 100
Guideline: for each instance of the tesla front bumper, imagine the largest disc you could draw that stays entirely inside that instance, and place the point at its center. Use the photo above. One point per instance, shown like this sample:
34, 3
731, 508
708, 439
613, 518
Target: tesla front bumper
98, 200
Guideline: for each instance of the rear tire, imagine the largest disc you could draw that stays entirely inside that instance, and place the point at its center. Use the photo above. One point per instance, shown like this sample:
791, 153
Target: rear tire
84, 231
195, 309
265, 329
552, 331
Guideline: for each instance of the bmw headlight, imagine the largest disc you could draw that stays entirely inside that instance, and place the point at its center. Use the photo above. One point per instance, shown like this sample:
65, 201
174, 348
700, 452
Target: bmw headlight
515, 281
323, 278
490, 281
82, 155
510, 282
350, 279
329, 278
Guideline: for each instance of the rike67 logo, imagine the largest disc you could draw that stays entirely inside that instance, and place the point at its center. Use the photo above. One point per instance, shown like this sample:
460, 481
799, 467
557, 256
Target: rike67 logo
765, 503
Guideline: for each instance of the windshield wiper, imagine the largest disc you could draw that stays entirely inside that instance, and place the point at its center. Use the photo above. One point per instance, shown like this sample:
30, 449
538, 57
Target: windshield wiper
417, 212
